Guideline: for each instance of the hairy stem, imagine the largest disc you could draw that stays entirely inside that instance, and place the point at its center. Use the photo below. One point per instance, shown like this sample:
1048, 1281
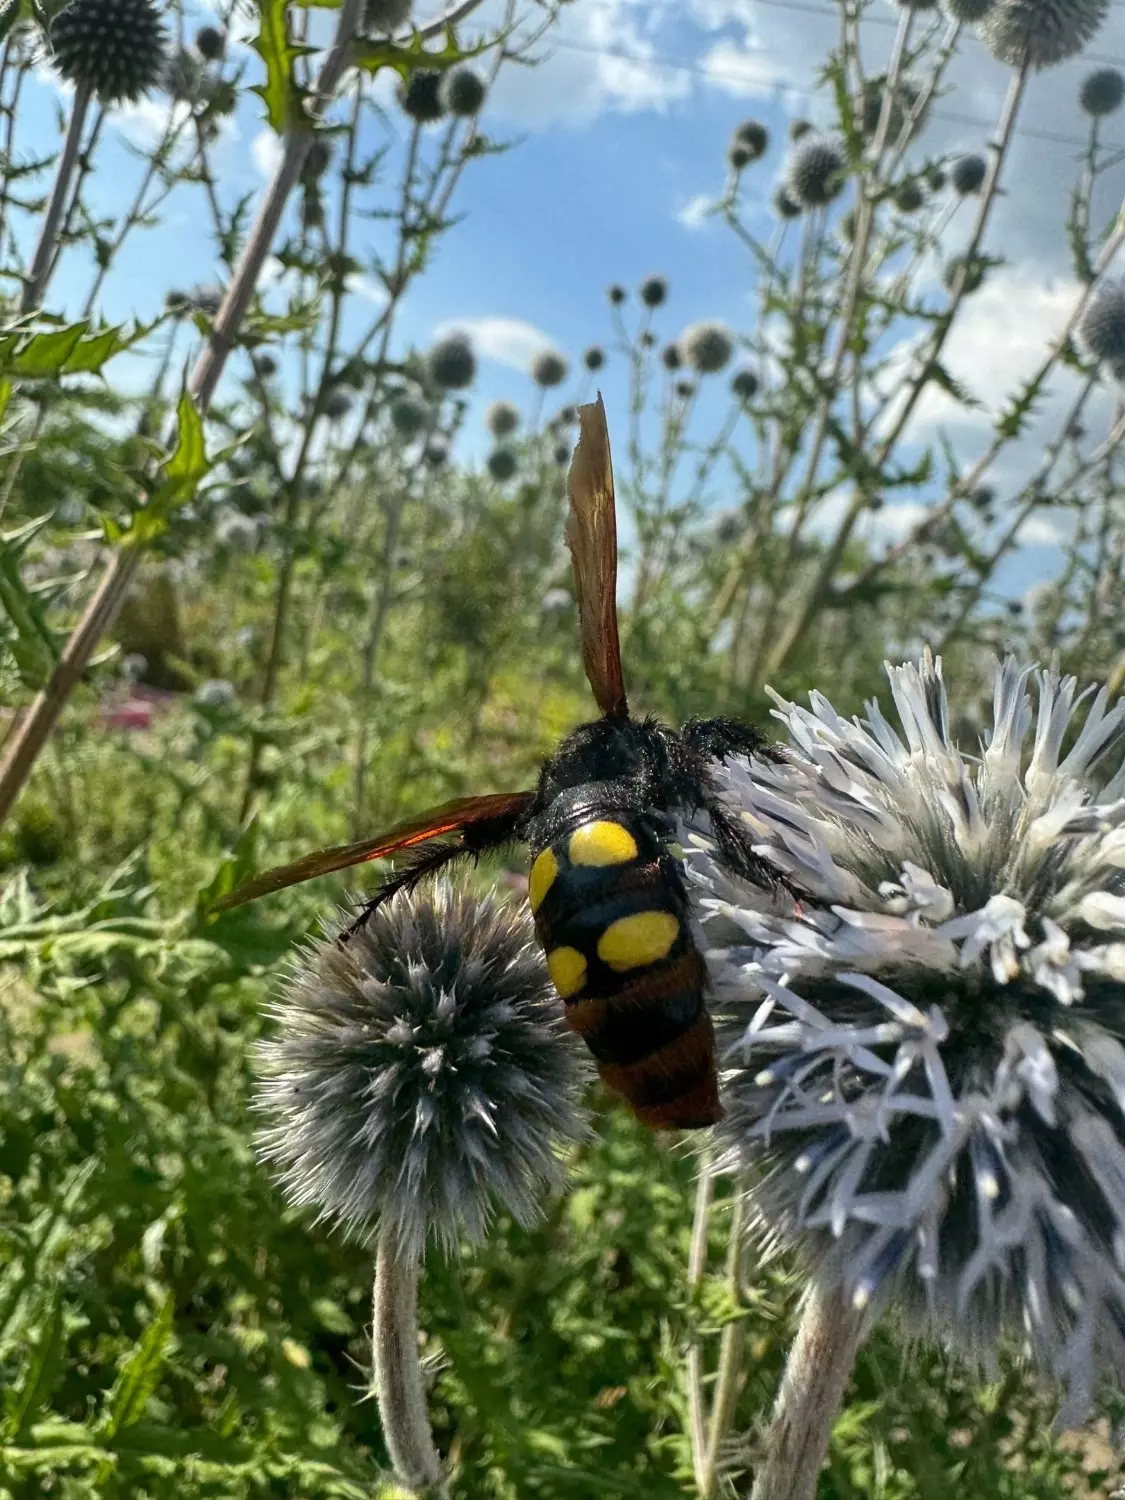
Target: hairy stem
397, 1372
816, 1377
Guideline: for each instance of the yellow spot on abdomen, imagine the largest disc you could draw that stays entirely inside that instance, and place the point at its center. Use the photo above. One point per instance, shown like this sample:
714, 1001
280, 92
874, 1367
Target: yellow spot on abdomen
632, 942
602, 843
567, 968
543, 873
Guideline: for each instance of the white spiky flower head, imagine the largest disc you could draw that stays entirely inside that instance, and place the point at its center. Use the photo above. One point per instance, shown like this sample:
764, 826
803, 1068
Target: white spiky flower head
421, 1075
926, 1056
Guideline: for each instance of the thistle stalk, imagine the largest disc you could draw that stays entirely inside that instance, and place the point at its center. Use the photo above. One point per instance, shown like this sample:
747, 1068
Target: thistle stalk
816, 1377
397, 1372
40, 268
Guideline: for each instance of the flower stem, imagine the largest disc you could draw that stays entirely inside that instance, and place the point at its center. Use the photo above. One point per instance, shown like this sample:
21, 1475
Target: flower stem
816, 1377
36, 280
397, 1372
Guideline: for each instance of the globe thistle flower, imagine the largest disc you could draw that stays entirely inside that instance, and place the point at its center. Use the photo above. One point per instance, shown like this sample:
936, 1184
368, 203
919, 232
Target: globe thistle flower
685, 389
421, 1075
211, 43
927, 1053
548, 369
420, 96
336, 405
1102, 92
909, 196
1102, 328
729, 527
118, 49
502, 419
707, 347
183, 76
562, 454
799, 128
217, 693
462, 92
265, 365
1041, 33
436, 452
594, 358
616, 294
967, 174
967, 12
451, 364
670, 357
751, 140
744, 385
408, 416
236, 532
970, 275
816, 171
385, 17
503, 463
654, 291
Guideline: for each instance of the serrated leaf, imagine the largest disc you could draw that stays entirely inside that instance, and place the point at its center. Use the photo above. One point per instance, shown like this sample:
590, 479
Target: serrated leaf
409, 57
187, 466
31, 1391
949, 383
140, 1374
33, 648
280, 93
46, 353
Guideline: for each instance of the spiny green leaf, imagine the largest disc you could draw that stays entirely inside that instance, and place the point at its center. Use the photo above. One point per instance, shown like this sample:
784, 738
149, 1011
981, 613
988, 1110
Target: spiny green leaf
32, 1389
141, 1373
280, 92
47, 353
416, 55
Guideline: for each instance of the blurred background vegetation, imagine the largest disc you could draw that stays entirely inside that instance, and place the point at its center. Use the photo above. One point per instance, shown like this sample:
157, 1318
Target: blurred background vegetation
259, 591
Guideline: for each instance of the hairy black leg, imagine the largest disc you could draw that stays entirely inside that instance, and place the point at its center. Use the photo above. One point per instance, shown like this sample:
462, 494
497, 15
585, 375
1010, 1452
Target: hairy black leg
721, 737
418, 864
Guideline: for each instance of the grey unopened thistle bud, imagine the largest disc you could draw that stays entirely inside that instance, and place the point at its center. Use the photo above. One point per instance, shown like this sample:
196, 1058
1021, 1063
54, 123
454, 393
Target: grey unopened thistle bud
1041, 33
670, 357
421, 1076
436, 452
502, 464
548, 369
420, 96
451, 364
408, 416
594, 358
118, 49
1102, 92
211, 43
502, 419
816, 171
752, 137
966, 275
744, 385
337, 404
385, 17
799, 128
926, 1056
967, 12
967, 174
909, 197
654, 291
265, 365
1102, 328
462, 92
616, 295
707, 347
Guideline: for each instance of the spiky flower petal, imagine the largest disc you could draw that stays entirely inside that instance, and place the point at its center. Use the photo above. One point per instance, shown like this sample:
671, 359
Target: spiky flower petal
117, 48
422, 1074
1041, 33
926, 1054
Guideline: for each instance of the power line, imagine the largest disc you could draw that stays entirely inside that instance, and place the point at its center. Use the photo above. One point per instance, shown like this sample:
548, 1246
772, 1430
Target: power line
954, 117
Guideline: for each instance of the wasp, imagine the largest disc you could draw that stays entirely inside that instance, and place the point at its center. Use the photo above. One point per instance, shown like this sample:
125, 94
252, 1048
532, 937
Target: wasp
606, 891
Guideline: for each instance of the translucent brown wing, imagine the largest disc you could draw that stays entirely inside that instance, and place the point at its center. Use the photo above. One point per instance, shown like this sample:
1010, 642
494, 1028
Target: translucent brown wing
591, 535
450, 818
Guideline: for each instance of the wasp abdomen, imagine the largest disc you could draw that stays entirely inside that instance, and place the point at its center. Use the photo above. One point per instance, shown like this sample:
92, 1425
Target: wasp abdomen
612, 917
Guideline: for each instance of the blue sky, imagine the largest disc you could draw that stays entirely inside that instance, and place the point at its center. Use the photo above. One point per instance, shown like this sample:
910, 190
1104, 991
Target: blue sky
621, 133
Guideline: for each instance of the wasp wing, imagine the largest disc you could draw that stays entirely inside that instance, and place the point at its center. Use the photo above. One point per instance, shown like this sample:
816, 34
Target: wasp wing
450, 818
591, 535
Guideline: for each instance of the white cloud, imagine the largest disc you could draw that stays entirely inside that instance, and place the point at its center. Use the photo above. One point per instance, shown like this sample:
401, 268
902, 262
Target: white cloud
146, 120
696, 211
508, 341
1041, 531
266, 151
369, 288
